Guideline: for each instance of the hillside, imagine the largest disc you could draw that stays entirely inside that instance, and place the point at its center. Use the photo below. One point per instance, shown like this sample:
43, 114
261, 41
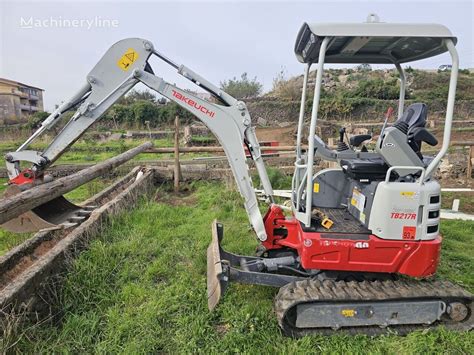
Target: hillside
363, 95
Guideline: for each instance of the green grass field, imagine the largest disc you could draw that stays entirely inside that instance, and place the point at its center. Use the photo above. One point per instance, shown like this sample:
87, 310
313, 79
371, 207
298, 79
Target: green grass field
141, 288
91, 151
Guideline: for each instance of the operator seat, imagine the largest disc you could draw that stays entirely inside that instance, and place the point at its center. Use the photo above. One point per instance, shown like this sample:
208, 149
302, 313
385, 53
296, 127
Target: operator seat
412, 120
412, 123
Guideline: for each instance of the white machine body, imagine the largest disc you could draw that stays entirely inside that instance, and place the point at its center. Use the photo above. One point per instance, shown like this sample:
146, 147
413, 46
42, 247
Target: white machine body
406, 211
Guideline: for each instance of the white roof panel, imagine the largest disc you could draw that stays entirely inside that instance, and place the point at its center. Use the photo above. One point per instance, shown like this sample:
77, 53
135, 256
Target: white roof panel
371, 42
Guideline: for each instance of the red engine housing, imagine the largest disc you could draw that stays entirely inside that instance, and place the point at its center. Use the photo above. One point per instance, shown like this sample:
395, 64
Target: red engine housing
350, 252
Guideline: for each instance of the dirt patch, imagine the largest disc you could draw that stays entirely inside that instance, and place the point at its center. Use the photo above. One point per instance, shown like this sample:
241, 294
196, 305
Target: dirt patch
456, 135
26, 261
222, 329
184, 197
466, 201
284, 135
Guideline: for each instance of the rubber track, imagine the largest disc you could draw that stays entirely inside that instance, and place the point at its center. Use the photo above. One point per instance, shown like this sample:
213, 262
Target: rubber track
307, 291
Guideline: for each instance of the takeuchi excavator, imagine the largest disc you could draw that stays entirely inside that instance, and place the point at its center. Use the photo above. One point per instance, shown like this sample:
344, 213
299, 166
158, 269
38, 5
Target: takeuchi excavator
367, 271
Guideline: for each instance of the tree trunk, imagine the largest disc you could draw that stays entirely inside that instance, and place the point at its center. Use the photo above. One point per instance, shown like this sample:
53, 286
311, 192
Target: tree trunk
13, 206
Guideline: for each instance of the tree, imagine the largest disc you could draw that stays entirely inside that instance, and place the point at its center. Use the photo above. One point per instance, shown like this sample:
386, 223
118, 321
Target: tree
34, 121
243, 87
135, 95
145, 111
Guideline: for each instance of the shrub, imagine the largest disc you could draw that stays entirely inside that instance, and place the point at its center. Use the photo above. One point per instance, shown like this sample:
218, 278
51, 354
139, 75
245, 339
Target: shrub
284, 88
35, 119
377, 88
243, 87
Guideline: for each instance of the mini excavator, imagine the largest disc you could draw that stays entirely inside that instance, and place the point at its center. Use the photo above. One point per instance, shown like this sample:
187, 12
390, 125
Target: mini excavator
367, 271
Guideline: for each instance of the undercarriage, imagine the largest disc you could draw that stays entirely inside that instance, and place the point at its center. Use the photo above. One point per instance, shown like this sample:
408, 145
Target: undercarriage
326, 302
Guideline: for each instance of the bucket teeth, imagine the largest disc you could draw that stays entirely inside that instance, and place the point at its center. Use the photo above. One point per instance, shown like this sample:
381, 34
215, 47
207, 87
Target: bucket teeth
78, 219
52, 214
84, 213
68, 225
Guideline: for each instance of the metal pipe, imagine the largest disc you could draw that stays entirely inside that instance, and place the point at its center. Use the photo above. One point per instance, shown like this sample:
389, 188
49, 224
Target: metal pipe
403, 81
165, 59
301, 116
312, 130
448, 122
296, 182
256, 153
54, 117
206, 85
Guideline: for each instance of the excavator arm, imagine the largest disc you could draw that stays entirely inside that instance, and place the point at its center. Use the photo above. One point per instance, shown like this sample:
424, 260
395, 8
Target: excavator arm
123, 66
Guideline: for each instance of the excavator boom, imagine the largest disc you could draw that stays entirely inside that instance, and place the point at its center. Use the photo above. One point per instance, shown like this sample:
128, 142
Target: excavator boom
123, 66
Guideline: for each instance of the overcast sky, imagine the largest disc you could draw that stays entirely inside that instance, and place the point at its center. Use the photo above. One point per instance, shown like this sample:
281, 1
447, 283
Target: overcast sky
218, 39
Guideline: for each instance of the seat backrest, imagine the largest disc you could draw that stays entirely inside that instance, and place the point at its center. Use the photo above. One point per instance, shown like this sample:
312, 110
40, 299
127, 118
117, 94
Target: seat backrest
415, 115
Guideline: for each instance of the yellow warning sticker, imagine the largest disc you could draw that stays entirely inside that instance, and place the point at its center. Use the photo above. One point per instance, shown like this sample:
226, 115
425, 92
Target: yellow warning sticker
358, 199
407, 193
316, 188
127, 59
348, 313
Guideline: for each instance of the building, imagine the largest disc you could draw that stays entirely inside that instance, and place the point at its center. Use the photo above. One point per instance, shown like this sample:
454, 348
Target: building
18, 101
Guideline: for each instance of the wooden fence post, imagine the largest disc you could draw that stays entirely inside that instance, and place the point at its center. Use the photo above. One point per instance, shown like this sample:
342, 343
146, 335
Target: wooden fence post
177, 167
470, 162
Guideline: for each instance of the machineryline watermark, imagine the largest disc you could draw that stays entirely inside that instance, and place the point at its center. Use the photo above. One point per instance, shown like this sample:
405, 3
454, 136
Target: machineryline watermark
60, 22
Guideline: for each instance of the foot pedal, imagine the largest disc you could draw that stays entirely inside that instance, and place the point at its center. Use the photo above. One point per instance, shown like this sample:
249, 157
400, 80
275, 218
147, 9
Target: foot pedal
325, 221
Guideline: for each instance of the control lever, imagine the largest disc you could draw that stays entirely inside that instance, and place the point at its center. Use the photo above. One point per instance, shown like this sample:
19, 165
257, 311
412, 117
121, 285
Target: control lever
387, 116
341, 145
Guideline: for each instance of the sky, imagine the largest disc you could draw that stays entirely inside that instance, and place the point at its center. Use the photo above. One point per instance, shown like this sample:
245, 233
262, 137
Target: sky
217, 39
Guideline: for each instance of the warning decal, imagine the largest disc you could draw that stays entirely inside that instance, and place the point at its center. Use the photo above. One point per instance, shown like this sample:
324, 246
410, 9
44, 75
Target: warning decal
409, 233
316, 188
358, 200
348, 313
127, 59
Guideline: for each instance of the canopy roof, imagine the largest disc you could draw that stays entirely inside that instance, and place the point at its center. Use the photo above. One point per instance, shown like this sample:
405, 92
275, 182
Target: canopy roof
371, 42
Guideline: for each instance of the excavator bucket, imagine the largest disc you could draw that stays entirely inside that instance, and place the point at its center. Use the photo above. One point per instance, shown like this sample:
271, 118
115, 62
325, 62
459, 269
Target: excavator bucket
54, 213
217, 277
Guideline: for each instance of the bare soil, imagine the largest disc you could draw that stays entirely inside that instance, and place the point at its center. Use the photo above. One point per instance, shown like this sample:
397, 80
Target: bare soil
26, 261
284, 135
184, 197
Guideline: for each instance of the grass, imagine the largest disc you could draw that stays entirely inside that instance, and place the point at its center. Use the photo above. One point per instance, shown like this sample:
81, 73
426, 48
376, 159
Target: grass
141, 288
466, 201
84, 151
88, 150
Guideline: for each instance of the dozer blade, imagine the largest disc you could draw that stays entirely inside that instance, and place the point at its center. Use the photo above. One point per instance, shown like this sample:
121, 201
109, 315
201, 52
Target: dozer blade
217, 274
54, 213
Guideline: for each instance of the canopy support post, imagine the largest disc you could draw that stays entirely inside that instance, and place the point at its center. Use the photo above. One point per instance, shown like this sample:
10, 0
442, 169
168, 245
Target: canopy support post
403, 82
312, 131
448, 122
